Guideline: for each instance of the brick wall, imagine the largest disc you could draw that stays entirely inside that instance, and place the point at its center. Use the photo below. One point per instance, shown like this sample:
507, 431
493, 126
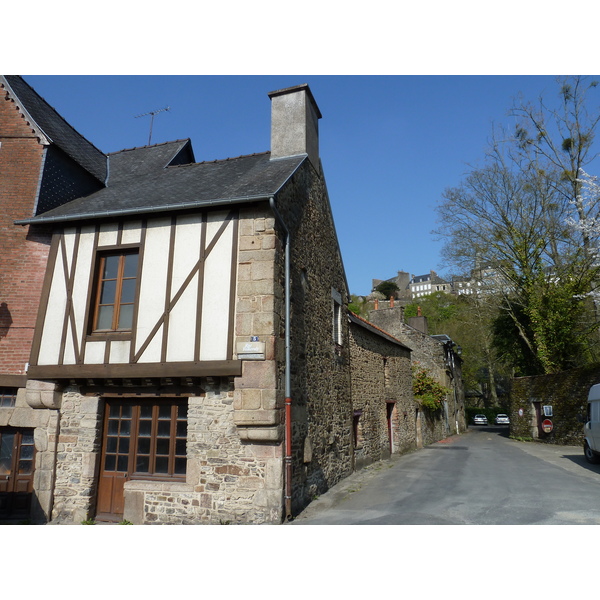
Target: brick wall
23, 251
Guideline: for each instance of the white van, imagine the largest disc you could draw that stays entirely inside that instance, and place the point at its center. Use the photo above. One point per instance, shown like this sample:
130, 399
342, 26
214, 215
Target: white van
591, 430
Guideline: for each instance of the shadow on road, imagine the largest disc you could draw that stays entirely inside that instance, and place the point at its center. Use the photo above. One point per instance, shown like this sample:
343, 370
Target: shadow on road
580, 461
501, 430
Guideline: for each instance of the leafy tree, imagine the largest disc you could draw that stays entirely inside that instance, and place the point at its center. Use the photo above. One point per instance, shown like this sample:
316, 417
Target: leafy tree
387, 288
513, 214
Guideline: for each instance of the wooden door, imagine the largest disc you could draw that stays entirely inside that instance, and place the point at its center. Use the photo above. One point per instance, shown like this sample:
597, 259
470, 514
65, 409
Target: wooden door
17, 460
115, 467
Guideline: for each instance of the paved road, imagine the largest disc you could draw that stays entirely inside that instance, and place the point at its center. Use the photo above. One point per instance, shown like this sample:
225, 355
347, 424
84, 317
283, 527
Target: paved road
478, 478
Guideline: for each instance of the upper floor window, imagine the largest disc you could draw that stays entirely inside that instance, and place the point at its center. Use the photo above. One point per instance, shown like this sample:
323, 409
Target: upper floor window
337, 317
116, 284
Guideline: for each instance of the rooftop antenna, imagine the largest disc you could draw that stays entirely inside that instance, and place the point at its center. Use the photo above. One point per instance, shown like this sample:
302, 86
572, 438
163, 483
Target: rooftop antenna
152, 113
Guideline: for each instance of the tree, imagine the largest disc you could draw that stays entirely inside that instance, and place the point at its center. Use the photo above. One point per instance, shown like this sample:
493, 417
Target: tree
513, 215
387, 288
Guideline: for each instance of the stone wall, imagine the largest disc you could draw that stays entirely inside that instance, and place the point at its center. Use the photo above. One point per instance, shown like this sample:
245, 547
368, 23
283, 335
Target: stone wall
443, 366
381, 388
320, 370
566, 392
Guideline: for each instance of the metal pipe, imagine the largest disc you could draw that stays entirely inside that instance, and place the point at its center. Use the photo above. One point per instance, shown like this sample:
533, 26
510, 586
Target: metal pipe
288, 399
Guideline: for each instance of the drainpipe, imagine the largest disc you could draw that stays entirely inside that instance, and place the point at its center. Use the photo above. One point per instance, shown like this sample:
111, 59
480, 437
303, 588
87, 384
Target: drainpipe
288, 399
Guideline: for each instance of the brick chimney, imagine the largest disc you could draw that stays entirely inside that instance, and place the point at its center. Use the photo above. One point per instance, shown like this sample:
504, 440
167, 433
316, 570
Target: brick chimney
295, 123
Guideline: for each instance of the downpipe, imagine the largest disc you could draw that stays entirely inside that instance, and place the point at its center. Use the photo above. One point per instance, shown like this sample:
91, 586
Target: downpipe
288, 399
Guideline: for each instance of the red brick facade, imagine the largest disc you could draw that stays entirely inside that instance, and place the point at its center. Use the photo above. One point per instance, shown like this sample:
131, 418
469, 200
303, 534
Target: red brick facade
23, 250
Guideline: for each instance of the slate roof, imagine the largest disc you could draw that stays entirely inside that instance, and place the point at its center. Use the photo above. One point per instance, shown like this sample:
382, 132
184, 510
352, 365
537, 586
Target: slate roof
56, 129
140, 182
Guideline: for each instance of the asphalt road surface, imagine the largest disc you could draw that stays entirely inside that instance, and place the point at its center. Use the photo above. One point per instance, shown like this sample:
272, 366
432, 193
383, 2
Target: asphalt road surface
478, 478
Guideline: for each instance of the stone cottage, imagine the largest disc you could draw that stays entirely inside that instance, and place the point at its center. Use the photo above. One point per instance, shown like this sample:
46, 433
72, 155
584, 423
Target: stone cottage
439, 356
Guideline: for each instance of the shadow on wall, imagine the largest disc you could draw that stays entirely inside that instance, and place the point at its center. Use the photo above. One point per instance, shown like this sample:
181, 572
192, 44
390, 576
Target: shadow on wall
5, 320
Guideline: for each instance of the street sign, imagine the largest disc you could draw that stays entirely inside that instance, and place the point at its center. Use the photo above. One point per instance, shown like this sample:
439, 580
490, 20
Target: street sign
547, 425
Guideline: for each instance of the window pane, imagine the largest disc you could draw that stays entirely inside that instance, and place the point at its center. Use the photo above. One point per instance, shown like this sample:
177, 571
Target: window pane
126, 316
109, 462
146, 411
111, 444
143, 464
131, 262
113, 427
105, 317
107, 295
181, 428
25, 467
164, 411
162, 464
124, 445
6, 447
145, 428
111, 267
164, 429
180, 447
162, 446
144, 445
128, 290
125, 427
122, 462
180, 464
26, 452
126, 411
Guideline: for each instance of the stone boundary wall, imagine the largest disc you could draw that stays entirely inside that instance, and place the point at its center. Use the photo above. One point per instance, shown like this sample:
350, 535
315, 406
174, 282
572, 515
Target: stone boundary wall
566, 392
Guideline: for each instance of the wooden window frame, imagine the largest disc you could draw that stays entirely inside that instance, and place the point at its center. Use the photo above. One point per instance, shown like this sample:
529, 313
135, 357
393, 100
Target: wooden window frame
98, 281
134, 437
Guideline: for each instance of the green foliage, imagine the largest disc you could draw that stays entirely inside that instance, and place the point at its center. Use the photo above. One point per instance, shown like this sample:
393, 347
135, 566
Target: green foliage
387, 288
439, 308
359, 306
90, 521
427, 391
125, 522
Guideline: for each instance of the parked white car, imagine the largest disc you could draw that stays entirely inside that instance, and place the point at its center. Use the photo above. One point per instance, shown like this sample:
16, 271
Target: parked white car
502, 420
480, 420
591, 430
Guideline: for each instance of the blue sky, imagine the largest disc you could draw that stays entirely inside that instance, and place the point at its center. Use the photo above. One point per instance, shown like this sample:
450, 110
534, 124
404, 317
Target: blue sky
390, 145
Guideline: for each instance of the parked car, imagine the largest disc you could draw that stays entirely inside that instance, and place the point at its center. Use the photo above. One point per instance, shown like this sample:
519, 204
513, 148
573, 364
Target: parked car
502, 420
480, 420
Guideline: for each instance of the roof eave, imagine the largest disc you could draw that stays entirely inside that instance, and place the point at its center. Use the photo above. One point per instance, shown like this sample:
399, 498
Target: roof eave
45, 220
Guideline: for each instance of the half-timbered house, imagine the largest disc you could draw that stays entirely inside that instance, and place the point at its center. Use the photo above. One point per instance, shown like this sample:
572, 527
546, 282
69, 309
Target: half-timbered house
191, 343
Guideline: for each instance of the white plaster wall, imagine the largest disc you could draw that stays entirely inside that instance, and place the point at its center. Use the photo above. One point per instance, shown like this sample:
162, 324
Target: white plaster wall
153, 287
132, 232
215, 301
108, 234
55, 314
182, 320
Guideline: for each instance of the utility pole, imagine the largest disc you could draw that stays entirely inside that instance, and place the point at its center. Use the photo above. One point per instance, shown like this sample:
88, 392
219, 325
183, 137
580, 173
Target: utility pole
152, 113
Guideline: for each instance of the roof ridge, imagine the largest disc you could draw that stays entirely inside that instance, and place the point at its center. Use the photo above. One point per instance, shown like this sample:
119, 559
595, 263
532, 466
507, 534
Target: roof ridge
219, 160
148, 146
54, 110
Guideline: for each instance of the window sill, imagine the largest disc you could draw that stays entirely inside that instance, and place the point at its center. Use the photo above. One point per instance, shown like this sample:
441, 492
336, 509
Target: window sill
101, 336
